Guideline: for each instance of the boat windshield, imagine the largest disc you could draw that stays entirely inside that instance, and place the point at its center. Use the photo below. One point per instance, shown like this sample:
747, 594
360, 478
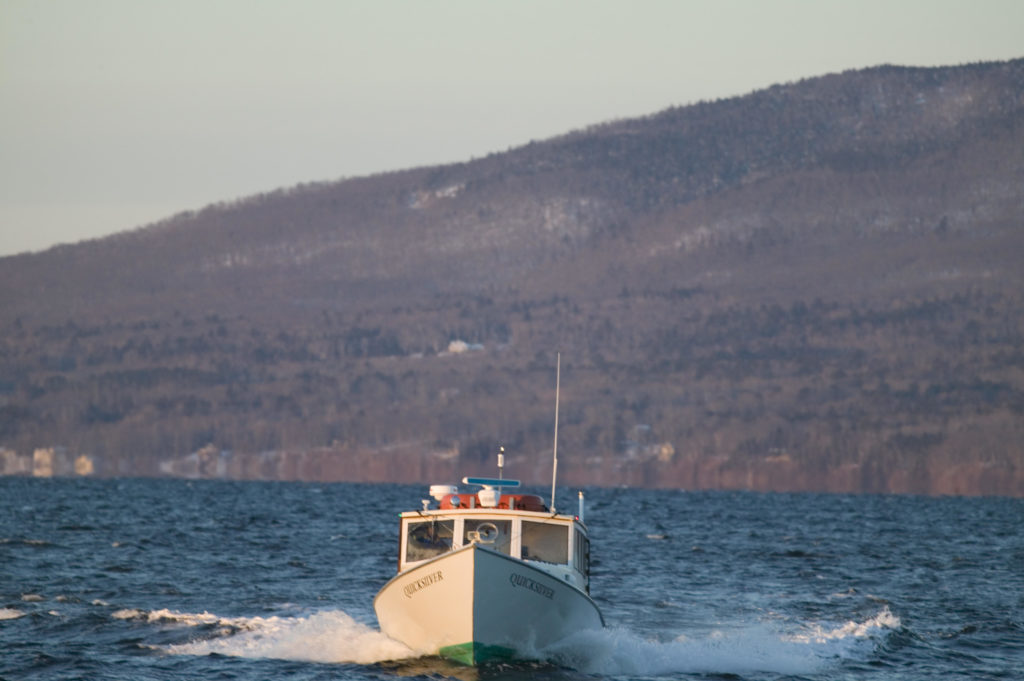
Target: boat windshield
428, 539
496, 534
545, 542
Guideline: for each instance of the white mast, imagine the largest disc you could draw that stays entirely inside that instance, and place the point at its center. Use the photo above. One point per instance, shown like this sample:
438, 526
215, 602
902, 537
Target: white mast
554, 467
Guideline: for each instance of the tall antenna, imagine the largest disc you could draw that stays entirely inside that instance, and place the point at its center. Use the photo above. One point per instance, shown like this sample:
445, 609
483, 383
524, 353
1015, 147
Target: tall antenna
554, 467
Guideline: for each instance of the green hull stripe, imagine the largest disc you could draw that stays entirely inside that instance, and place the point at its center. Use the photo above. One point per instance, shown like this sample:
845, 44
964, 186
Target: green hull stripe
474, 653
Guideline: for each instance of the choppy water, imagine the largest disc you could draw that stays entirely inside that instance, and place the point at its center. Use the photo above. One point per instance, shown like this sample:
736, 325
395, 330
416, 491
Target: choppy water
165, 579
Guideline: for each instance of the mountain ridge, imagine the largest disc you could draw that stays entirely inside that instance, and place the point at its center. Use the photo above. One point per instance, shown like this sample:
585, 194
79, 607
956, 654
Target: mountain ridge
762, 245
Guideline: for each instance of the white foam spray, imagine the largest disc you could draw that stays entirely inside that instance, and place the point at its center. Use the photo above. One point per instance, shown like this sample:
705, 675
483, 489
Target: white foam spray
329, 636
335, 637
850, 630
758, 648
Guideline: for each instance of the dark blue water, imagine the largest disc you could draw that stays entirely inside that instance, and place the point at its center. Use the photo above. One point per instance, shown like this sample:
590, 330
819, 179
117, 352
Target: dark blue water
166, 579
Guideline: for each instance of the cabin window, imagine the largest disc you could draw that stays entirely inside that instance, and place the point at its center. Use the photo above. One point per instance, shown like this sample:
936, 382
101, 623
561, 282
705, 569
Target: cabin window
497, 534
582, 553
428, 539
545, 542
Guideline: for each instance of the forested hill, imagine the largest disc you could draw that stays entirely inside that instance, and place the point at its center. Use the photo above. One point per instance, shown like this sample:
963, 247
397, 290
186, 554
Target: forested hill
817, 286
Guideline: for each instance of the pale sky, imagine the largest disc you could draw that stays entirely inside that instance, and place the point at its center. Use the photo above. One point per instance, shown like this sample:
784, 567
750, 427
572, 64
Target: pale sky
117, 113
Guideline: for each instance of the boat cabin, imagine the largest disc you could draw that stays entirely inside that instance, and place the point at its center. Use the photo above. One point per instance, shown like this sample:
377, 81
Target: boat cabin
519, 526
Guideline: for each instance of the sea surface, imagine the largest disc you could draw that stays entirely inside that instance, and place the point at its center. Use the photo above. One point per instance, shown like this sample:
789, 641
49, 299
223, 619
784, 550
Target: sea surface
172, 579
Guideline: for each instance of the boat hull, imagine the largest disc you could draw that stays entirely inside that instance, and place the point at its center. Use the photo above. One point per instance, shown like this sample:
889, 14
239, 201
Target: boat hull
475, 604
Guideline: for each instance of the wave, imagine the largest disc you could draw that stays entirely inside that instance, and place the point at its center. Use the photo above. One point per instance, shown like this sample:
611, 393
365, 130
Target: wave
328, 636
26, 542
335, 637
759, 648
884, 620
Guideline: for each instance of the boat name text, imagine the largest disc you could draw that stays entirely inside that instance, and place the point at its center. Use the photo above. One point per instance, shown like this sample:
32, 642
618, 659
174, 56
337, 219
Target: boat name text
527, 583
422, 583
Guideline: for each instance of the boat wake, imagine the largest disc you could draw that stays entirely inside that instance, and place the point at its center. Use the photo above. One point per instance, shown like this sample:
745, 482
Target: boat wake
330, 636
333, 636
759, 648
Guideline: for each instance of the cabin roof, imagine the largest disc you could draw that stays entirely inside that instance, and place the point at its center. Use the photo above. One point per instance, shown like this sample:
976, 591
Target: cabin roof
467, 512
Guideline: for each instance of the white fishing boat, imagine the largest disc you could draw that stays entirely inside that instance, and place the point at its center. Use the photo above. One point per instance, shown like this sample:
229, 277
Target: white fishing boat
488, 575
